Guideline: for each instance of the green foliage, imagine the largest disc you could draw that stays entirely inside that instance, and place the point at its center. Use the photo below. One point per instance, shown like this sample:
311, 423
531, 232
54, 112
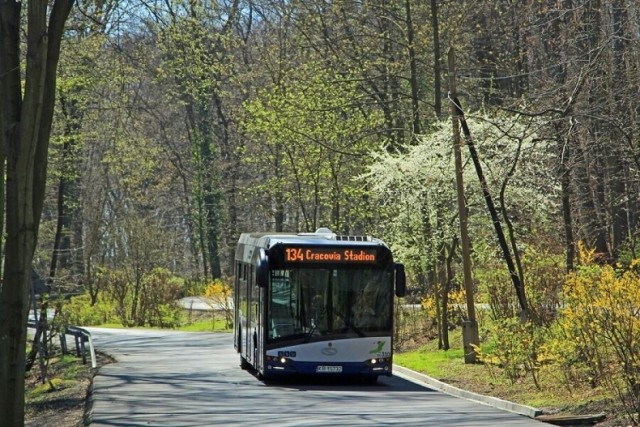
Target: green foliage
516, 347
80, 312
589, 334
158, 301
543, 278
192, 58
194, 287
166, 316
601, 327
314, 134
152, 303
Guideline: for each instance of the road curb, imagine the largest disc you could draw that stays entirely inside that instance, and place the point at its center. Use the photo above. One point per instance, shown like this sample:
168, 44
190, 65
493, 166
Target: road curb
505, 405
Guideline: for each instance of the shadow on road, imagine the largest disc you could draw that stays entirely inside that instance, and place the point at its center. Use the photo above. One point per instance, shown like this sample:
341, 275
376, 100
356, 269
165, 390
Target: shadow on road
347, 383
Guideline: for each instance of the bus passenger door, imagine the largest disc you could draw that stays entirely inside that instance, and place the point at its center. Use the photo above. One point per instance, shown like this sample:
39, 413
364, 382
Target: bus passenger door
239, 299
259, 330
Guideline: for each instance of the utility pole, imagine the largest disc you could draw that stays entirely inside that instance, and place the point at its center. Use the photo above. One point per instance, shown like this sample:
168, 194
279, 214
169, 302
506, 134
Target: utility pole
470, 336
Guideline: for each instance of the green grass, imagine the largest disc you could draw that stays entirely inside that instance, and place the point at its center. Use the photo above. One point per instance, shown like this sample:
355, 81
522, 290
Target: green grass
429, 360
205, 325
200, 322
111, 325
41, 390
449, 366
62, 373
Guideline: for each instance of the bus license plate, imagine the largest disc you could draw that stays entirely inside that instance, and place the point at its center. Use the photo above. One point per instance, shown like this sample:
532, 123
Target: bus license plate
329, 369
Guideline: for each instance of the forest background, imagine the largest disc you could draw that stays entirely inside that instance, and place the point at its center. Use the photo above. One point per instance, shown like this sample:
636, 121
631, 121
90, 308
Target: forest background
180, 124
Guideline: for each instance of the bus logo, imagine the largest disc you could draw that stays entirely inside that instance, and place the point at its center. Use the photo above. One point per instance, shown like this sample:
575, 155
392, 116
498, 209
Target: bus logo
329, 351
378, 349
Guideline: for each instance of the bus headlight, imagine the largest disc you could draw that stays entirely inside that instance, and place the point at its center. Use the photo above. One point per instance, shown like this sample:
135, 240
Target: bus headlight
279, 363
279, 360
379, 363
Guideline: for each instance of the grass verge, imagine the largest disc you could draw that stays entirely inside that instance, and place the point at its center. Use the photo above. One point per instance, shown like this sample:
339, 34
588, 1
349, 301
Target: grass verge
554, 395
60, 399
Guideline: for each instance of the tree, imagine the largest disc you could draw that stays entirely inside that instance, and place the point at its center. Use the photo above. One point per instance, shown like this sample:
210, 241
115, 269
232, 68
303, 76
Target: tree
314, 136
25, 124
417, 186
576, 63
196, 43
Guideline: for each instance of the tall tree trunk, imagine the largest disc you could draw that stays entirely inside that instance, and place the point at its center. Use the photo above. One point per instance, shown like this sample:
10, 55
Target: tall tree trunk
505, 216
3, 164
437, 75
61, 256
413, 69
616, 158
213, 204
506, 253
567, 217
26, 124
210, 189
445, 292
14, 296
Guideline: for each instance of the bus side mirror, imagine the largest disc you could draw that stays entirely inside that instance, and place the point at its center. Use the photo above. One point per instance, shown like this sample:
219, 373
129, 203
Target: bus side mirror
401, 281
262, 269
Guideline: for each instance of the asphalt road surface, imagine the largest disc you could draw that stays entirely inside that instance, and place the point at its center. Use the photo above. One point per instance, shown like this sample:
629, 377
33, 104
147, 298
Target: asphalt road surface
165, 378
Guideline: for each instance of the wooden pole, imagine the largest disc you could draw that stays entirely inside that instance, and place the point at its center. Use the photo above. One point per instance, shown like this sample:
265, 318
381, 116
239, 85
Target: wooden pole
470, 336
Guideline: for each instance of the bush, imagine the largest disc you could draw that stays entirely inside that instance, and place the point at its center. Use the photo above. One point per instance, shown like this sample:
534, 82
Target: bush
543, 278
601, 326
517, 347
79, 311
158, 305
220, 294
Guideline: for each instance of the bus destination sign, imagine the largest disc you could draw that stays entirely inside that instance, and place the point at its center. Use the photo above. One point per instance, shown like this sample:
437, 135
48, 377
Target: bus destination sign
344, 256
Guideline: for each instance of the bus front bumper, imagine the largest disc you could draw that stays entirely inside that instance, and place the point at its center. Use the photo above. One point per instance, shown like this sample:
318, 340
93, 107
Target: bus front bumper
284, 366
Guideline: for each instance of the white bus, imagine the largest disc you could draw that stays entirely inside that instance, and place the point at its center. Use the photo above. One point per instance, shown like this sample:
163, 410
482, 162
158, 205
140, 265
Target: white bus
315, 304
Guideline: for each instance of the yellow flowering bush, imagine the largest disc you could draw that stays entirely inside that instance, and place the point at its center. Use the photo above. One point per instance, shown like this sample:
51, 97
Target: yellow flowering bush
455, 304
600, 326
219, 293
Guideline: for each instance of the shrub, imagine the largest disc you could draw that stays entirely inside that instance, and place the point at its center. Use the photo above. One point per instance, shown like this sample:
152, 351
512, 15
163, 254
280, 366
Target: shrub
517, 347
79, 311
601, 326
543, 278
158, 305
220, 293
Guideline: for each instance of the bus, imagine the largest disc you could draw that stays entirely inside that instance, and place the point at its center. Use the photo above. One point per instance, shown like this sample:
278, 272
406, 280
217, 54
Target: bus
315, 304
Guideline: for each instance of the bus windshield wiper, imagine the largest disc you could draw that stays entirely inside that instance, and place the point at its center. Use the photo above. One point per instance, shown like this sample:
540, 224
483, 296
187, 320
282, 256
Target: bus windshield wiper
349, 324
309, 334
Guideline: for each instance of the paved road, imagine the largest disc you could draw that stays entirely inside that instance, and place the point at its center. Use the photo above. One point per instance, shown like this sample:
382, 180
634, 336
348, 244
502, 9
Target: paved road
203, 304
193, 379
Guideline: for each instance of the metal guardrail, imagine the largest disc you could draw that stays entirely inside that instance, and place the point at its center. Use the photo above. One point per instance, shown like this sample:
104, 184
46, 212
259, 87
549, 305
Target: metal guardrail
81, 337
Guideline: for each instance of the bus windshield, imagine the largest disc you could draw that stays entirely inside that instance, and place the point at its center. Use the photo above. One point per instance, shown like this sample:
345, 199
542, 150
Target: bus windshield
310, 302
